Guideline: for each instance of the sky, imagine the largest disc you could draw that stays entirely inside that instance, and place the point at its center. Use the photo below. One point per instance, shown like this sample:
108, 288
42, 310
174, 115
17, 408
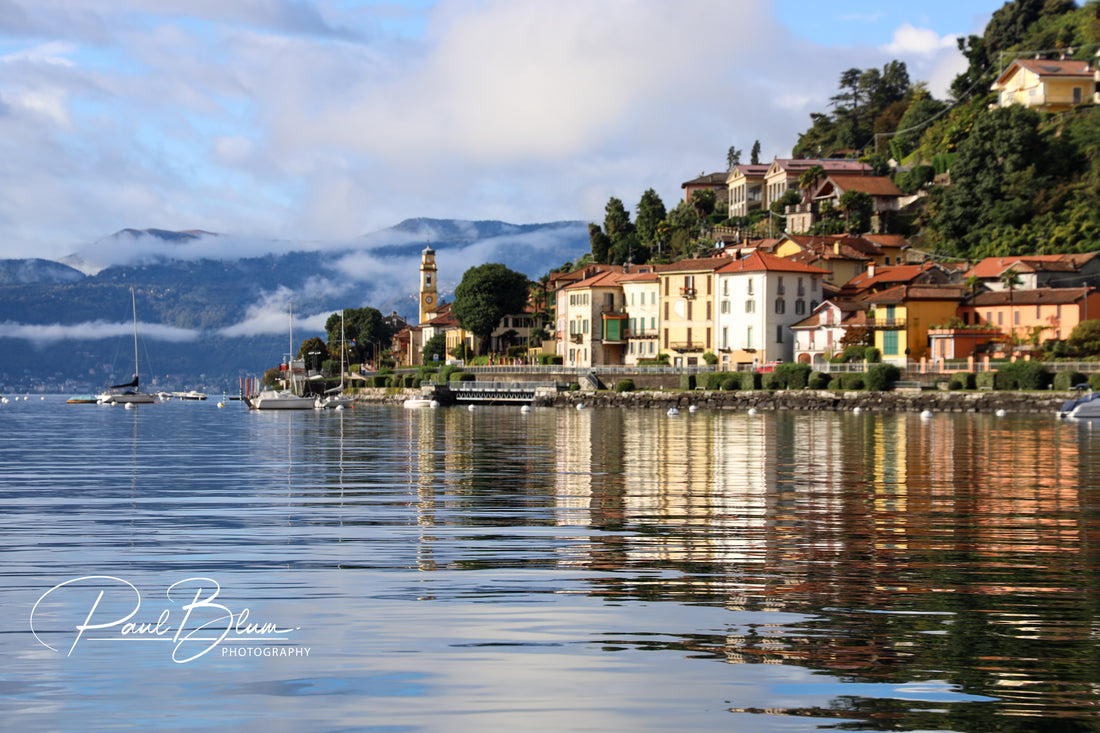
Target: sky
324, 121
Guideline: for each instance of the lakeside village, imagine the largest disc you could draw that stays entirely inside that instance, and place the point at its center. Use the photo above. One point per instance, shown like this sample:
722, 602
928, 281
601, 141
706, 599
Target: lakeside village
798, 309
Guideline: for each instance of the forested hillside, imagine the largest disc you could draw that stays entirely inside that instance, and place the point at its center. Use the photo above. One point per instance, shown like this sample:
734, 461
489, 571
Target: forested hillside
989, 180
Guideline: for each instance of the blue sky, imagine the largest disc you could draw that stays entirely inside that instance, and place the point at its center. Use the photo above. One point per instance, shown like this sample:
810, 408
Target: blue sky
324, 121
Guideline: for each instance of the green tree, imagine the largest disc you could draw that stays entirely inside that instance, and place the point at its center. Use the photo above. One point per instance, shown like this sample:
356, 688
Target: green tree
435, 349
651, 212
313, 351
704, 201
486, 294
733, 157
1085, 338
617, 218
600, 242
858, 208
755, 155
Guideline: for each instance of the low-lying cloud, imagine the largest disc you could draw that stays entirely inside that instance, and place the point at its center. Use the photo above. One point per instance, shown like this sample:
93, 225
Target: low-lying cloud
41, 334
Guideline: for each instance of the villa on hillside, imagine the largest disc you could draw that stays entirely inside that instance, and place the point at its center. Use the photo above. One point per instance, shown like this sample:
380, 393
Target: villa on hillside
1047, 85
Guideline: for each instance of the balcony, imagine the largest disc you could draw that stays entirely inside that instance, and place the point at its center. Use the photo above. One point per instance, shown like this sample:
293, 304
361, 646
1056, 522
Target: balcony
688, 293
640, 333
686, 346
577, 338
888, 323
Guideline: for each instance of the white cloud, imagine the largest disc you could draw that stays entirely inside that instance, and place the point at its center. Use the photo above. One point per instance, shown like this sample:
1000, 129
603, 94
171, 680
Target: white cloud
909, 40
40, 334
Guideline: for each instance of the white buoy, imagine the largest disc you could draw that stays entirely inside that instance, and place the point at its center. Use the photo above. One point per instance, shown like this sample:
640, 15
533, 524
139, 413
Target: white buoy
580, 405
692, 408
856, 410
221, 404
1000, 413
673, 412
525, 408
435, 403
752, 410
339, 407
470, 408
130, 405
925, 414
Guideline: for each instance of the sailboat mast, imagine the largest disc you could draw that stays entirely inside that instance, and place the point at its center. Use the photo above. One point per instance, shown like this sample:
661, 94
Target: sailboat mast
133, 303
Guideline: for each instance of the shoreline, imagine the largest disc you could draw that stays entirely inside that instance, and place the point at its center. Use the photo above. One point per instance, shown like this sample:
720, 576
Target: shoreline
770, 401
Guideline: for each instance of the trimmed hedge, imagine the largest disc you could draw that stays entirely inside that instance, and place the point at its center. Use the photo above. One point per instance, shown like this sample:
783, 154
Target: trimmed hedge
881, 377
853, 381
549, 359
793, 375
1022, 375
731, 384
1094, 381
985, 380
962, 380
687, 381
750, 380
818, 380
1065, 381
625, 385
463, 377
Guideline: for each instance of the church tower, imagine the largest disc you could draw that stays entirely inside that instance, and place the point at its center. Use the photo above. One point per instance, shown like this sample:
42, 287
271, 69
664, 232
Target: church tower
428, 298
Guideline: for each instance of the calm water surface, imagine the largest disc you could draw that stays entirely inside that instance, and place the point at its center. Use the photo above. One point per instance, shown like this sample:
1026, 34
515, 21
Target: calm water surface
454, 570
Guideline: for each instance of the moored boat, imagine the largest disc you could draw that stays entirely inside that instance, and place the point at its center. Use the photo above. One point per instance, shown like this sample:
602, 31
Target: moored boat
1085, 406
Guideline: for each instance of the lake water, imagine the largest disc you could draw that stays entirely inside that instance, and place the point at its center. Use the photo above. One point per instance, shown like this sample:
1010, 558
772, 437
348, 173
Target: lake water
188, 567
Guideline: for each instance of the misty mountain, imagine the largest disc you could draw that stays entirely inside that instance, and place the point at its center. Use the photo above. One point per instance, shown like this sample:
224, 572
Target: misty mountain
213, 307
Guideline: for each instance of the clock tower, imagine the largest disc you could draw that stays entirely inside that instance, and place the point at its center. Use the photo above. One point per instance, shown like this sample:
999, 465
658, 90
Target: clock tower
428, 296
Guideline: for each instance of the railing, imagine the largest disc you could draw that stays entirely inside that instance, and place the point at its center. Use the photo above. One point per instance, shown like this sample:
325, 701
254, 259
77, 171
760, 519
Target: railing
887, 323
687, 292
577, 338
685, 346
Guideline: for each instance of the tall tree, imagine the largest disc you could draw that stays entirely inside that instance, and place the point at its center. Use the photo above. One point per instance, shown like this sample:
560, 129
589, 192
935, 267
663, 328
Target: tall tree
755, 155
486, 294
600, 244
651, 212
733, 157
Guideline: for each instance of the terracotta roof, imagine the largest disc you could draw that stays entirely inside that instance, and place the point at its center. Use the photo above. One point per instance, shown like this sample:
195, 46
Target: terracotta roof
904, 293
871, 185
852, 313
829, 164
887, 274
639, 277
599, 280
1046, 67
764, 262
698, 265
1037, 296
895, 241
707, 179
750, 170
993, 267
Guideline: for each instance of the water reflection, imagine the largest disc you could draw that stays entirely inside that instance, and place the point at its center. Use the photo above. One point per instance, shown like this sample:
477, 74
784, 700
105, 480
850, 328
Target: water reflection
861, 572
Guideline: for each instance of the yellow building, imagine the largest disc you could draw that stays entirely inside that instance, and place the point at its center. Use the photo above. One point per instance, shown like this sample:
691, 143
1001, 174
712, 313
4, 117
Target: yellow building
901, 317
429, 300
686, 298
1047, 85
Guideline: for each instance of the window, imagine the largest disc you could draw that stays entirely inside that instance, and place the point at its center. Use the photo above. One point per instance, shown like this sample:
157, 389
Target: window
779, 288
750, 306
428, 278
780, 305
749, 291
651, 345
778, 334
653, 323
725, 337
748, 338
801, 287
653, 298
813, 284
800, 306
1000, 318
725, 287
1016, 318
689, 310
708, 310
890, 343
725, 306
666, 338
666, 310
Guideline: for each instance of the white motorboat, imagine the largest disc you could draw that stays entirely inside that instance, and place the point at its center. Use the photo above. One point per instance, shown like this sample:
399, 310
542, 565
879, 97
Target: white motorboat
1083, 407
415, 403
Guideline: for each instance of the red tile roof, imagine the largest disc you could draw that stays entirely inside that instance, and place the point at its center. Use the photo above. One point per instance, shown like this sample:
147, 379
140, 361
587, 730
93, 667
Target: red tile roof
763, 262
1037, 296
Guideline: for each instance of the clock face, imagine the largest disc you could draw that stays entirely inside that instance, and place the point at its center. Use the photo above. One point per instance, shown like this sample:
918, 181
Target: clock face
428, 299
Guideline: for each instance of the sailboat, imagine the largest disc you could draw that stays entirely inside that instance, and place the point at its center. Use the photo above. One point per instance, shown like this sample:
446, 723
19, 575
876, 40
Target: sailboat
335, 397
128, 394
283, 399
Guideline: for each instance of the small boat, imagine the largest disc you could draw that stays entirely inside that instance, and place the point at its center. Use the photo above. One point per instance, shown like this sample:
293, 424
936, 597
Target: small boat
283, 399
81, 399
128, 394
415, 403
335, 399
1083, 407
193, 395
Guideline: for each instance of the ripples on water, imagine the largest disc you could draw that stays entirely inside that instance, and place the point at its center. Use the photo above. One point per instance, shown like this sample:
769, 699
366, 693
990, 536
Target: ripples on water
458, 570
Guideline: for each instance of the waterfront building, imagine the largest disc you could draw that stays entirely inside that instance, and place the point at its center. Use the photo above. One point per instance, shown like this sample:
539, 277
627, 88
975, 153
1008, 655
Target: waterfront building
760, 296
686, 297
1048, 85
745, 188
818, 338
902, 315
640, 296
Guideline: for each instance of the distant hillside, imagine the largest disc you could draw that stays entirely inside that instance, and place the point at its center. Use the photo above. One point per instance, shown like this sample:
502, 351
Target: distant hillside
215, 306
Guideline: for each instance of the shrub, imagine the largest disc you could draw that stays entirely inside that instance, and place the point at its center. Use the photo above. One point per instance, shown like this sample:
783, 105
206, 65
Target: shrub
687, 381
853, 381
626, 385
750, 380
713, 380
575, 387
818, 380
1023, 375
962, 380
730, 384
872, 355
1094, 381
710, 358
463, 377
772, 380
378, 380
550, 359
411, 381
881, 377
516, 352
1065, 381
793, 376
850, 354
985, 380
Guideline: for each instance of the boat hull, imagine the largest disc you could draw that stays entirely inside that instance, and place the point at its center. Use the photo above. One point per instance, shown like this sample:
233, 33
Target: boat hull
275, 400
